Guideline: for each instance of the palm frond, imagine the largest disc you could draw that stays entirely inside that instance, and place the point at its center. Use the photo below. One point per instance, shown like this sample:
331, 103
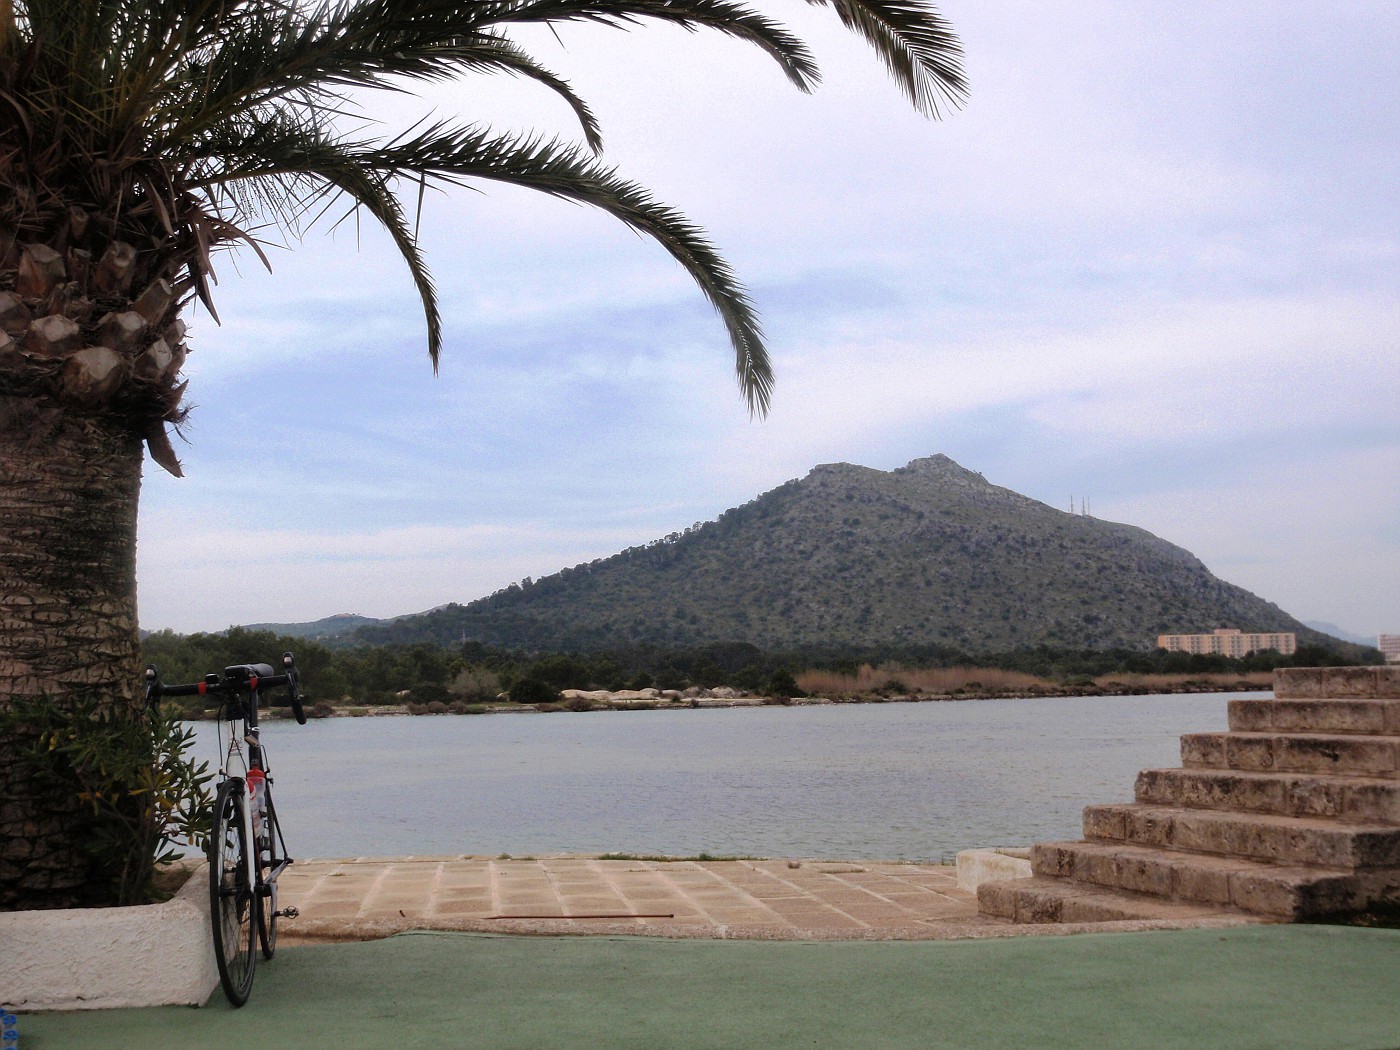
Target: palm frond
462, 154
917, 45
734, 20
183, 121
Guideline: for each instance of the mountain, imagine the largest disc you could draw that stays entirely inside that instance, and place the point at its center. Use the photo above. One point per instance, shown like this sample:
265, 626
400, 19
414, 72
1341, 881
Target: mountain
1346, 636
319, 630
929, 554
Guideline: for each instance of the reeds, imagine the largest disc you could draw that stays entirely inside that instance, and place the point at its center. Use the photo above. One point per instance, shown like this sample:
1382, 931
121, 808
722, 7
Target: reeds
896, 678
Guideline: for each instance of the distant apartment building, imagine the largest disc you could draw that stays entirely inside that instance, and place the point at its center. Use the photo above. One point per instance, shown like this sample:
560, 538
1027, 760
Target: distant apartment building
1229, 641
1389, 645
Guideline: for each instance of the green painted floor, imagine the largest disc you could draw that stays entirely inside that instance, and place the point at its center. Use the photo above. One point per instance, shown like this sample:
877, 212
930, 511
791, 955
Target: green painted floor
1295, 987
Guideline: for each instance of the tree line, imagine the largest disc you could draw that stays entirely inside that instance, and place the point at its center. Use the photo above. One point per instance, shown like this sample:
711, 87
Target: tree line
424, 673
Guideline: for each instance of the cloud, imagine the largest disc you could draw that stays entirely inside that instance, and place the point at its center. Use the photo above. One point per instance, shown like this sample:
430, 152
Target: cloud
1153, 261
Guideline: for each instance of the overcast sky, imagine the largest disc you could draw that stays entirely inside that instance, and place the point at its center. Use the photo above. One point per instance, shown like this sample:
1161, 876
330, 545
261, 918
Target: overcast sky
1152, 262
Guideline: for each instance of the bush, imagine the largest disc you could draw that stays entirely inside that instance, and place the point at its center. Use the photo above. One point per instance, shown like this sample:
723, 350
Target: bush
532, 691
783, 684
475, 685
320, 709
127, 771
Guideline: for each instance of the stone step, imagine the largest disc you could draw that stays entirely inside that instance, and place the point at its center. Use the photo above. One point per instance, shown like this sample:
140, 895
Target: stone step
1301, 841
1377, 717
1360, 800
1338, 754
1041, 899
1337, 682
1292, 893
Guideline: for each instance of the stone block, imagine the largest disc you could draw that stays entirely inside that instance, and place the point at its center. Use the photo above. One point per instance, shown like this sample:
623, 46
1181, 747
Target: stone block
1347, 682
1371, 801
1388, 682
1328, 716
1149, 826
1141, 872
1317, 847
1039, 907
1254, 752
1222, 789
1358, 756
1298, 682
1251, 716
1203, 750
1160, 786
1250, 835
997, 899
1104, 823
1093, 909
1292, 894
1097, 865
1376, 848
1196, 879
1053, 859
1312, 796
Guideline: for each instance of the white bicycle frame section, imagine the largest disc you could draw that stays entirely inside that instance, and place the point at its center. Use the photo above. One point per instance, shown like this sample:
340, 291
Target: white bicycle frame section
250, 850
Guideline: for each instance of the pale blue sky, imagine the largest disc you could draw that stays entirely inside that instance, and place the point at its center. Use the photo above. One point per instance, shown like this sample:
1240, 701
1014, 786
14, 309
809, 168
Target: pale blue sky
1154, 262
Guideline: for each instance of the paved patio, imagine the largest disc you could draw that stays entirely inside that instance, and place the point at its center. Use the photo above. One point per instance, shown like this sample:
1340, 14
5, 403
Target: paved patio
367, 898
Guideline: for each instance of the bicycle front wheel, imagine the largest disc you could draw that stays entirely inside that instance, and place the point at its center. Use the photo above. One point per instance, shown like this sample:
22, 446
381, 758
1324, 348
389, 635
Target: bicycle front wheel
232, 901
269, 843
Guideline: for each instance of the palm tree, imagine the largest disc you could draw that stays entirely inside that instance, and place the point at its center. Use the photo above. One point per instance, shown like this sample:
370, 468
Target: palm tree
139, 137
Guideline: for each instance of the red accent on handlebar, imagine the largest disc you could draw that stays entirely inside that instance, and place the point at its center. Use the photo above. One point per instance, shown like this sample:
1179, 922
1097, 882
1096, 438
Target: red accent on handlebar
203, 688
252, 681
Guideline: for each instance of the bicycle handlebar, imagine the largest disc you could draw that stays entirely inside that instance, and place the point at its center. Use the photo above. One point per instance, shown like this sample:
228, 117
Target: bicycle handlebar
238, 678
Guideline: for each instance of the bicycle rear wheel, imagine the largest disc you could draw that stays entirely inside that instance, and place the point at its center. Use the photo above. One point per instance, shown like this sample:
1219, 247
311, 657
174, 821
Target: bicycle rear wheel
269, 843
232, 902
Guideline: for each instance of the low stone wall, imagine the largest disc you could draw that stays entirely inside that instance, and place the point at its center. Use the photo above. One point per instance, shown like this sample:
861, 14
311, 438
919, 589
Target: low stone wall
96, 958
976, 866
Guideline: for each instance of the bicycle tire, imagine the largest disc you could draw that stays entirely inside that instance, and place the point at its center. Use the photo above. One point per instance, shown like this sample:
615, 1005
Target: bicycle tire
267, 904
232, 907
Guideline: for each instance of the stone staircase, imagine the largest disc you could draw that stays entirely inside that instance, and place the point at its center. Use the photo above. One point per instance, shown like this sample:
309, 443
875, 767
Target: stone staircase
1293, 814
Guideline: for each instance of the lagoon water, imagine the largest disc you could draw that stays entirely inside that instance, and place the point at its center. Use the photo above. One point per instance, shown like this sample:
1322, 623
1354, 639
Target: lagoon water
915, 781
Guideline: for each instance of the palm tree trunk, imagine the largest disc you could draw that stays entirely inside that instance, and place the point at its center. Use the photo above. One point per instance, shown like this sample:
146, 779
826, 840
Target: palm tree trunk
69, 487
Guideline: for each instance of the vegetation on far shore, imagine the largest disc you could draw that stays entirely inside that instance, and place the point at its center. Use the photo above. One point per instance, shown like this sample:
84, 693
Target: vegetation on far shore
472, 678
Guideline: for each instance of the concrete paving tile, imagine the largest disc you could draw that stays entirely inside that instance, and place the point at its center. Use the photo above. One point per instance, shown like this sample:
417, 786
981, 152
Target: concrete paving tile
594, 904
747, 898
453, 910
340, 909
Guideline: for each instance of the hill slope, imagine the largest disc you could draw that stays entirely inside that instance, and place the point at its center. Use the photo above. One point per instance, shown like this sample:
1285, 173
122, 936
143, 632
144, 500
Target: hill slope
927, 554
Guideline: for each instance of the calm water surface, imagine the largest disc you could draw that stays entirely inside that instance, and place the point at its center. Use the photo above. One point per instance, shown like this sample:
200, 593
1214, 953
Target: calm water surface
872, 781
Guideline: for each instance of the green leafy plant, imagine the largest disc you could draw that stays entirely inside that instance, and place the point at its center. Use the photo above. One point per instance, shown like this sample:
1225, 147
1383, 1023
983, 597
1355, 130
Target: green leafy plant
533, 691
130, 775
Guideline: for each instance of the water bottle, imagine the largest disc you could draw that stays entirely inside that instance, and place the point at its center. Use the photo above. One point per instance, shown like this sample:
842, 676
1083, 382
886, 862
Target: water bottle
9, 1030
257, 793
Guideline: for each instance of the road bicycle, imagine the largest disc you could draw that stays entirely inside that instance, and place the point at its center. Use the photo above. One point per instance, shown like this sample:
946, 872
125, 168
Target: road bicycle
246, 850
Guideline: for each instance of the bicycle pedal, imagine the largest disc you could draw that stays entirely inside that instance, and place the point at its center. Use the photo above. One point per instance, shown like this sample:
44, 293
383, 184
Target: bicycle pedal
289, 913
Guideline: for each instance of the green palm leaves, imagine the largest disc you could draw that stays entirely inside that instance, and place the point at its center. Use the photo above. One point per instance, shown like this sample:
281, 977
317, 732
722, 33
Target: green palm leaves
216, 115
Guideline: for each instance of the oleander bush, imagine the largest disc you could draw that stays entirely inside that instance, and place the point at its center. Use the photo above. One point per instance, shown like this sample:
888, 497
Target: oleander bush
128, 772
